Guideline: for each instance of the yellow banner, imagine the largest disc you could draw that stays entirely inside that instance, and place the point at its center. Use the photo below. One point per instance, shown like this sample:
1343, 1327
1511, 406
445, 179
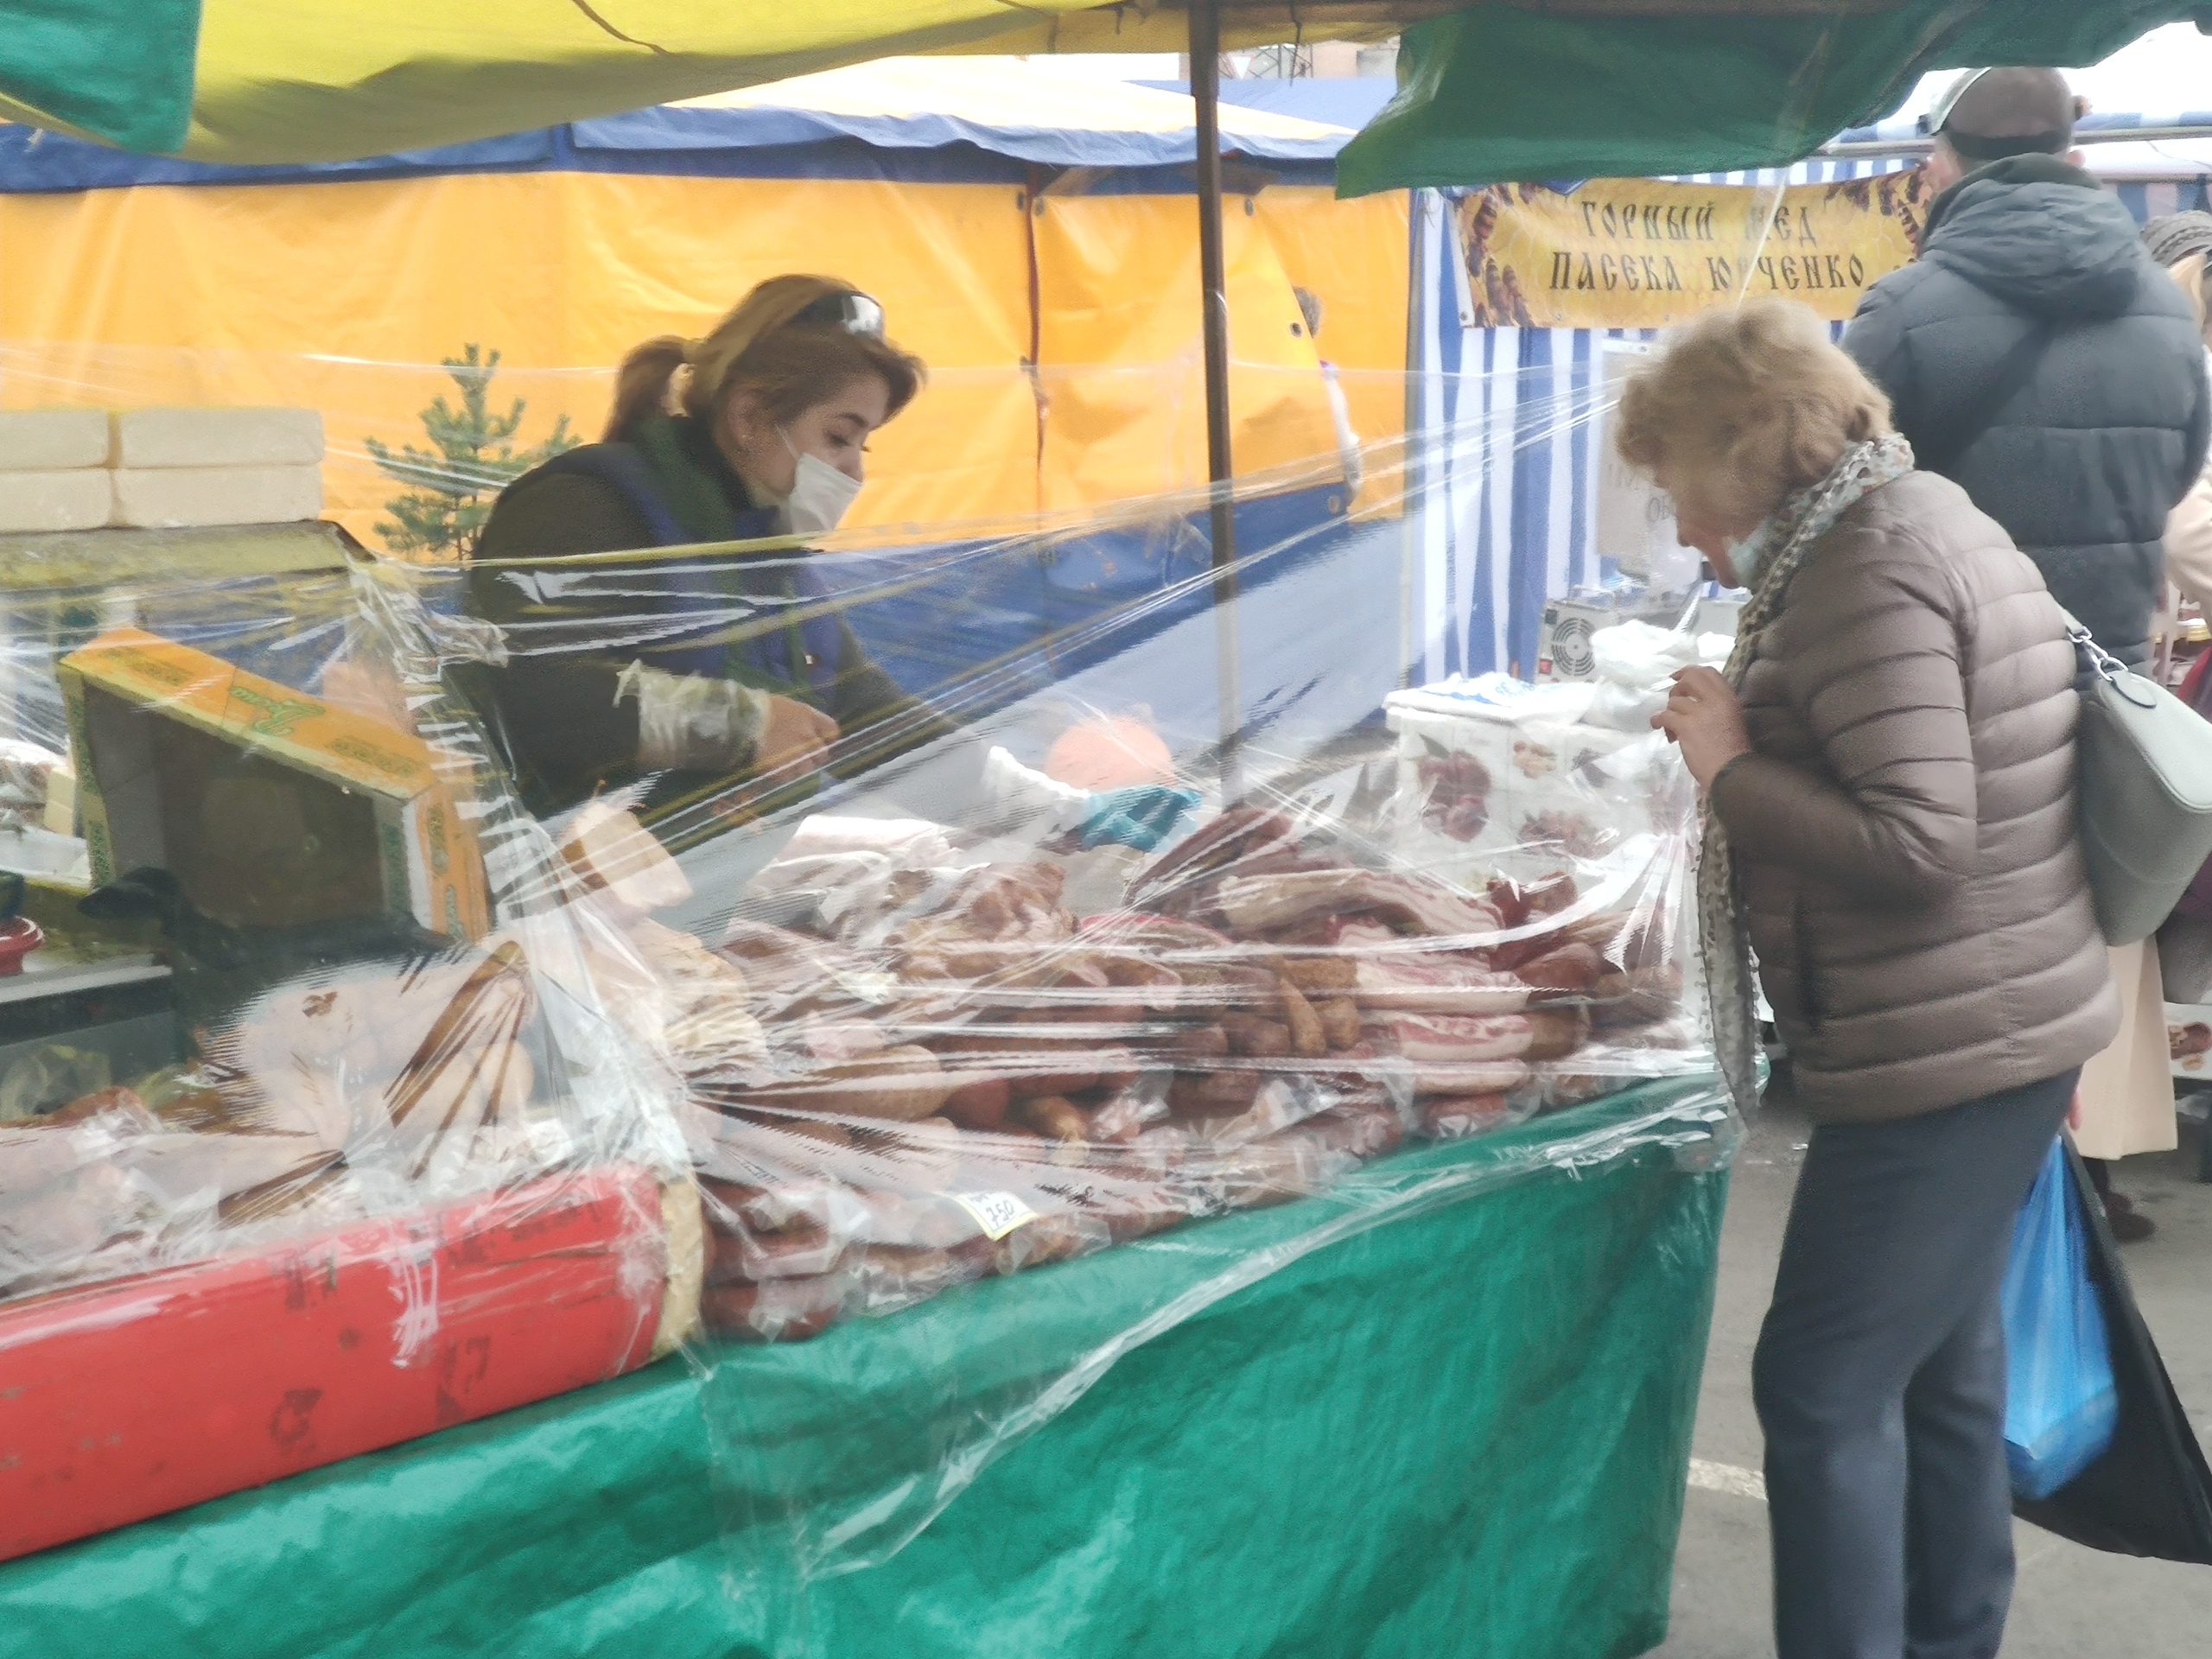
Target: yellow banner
1632, 253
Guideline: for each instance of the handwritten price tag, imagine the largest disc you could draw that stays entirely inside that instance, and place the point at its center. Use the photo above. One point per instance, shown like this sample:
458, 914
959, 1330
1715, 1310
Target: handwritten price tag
996, 1213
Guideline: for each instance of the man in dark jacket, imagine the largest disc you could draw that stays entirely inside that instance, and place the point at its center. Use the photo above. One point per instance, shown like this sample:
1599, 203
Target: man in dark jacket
2036, 355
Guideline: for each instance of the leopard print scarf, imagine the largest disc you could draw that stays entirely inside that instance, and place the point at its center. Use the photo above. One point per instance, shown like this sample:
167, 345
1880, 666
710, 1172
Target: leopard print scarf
1775, 552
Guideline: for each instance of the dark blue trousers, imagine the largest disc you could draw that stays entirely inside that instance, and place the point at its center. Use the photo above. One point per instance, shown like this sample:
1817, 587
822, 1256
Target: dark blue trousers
1880, 1382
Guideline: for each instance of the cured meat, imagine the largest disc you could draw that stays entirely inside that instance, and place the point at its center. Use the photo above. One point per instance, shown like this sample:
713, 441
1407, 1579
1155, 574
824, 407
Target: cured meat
1262, 903
1213, 1094
782, 1310
1005, 903
1559, 1031
1240, 833
1424, 1037
1307, 1038
1339, 1017
738, 1256
1521, 905
1455, 1117
792, 971
1436, 982
1639, 995
1571, 969
1156, 932
1468, 1077
901, 1084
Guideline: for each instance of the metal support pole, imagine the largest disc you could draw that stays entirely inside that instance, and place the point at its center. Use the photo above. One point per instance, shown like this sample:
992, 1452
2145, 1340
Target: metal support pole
1205, 91
1415, 485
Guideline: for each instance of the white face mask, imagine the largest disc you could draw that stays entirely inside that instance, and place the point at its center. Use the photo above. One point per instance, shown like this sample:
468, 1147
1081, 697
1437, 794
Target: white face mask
821, 495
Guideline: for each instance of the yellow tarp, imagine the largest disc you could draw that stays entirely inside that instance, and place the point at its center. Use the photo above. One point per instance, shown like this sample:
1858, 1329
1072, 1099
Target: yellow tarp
298, 80
344, 296
325, 80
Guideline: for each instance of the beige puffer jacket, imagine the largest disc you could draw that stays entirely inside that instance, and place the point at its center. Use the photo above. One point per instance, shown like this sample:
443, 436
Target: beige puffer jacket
1904, 831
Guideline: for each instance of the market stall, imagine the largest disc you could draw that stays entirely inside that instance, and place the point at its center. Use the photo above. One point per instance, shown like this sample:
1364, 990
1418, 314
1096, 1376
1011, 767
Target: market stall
958, 1108
983, 1130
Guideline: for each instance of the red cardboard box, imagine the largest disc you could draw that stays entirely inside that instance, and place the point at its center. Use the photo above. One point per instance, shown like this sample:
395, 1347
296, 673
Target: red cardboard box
131, 1398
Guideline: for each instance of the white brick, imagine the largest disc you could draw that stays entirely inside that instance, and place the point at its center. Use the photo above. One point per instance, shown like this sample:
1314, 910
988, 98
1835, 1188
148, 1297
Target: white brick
51, 439
218, 437
80, 499
170, 497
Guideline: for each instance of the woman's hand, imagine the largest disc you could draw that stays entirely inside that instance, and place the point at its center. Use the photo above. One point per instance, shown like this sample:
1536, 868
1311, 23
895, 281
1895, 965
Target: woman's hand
793, 737
1704, 716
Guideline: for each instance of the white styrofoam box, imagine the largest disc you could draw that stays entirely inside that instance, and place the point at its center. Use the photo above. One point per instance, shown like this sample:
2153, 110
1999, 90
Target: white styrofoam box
172, 497
81, 498
2195, 1061
51, 439
1718, 616
218, 437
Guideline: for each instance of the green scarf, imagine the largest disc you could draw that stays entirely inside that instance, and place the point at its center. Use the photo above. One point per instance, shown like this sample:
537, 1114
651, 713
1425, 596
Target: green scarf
698, 499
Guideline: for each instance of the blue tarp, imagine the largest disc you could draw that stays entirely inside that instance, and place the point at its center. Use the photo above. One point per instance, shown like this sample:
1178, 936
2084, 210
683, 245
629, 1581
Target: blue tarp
682, 128
1904, 128
1341, 101
965, 140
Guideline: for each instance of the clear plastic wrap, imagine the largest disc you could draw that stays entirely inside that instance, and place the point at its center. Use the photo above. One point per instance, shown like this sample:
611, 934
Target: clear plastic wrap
992, 1025
1037, 960
286, 1118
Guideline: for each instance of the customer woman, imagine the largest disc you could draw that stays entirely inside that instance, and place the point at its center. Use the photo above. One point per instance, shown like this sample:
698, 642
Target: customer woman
2127, 1091
678, 675
2181, 242
1888, 774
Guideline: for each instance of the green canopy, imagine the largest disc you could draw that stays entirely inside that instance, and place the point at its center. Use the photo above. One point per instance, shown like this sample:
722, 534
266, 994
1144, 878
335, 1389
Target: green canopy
1502, 91
1494, 89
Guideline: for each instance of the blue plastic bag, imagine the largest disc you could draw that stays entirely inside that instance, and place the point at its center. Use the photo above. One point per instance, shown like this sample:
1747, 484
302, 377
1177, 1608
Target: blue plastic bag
2061, 1404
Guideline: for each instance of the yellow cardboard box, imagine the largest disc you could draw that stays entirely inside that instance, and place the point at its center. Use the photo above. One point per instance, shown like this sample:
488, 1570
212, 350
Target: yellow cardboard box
272, 808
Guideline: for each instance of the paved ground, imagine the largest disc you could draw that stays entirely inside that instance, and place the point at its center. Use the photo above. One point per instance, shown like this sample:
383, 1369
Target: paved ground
2071, 1602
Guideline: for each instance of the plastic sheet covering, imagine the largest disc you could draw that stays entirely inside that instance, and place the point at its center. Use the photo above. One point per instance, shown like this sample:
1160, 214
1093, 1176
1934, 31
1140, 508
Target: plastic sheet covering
1000, 1021
287, 1118
1517, 1476
1141, 912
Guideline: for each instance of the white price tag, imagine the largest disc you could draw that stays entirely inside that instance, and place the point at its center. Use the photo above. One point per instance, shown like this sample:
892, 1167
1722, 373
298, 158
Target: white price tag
996, 1213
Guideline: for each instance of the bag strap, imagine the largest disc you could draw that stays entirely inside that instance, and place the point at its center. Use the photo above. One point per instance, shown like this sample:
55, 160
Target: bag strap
2092, 663
2014, 371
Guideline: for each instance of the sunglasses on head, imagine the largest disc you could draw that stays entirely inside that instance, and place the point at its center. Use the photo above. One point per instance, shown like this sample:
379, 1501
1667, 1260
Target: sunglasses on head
856, 313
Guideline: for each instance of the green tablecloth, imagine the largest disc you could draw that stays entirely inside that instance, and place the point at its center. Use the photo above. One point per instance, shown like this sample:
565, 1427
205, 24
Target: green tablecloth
1461, 1431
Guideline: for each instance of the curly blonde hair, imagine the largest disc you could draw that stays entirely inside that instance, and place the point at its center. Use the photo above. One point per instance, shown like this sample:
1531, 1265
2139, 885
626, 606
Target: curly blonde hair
1747, 407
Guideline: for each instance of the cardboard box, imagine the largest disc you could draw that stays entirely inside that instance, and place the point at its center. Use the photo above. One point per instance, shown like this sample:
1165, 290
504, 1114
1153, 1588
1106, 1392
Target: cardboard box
286, 1358
204, 497
217, 436
52, 440
272, 808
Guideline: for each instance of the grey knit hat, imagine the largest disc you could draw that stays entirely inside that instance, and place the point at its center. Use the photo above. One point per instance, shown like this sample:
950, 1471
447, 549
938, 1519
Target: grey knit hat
2175, 237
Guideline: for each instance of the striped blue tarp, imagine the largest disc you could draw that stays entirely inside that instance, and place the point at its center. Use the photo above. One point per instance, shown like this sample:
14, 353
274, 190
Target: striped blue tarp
1905, 130
1506, 458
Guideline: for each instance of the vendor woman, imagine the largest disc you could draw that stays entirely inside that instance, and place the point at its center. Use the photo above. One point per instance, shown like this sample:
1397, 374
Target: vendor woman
670, 673
672, 680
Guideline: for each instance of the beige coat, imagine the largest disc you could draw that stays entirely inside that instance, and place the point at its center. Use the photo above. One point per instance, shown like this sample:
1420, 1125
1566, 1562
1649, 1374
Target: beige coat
1904, 831
2127, 1091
